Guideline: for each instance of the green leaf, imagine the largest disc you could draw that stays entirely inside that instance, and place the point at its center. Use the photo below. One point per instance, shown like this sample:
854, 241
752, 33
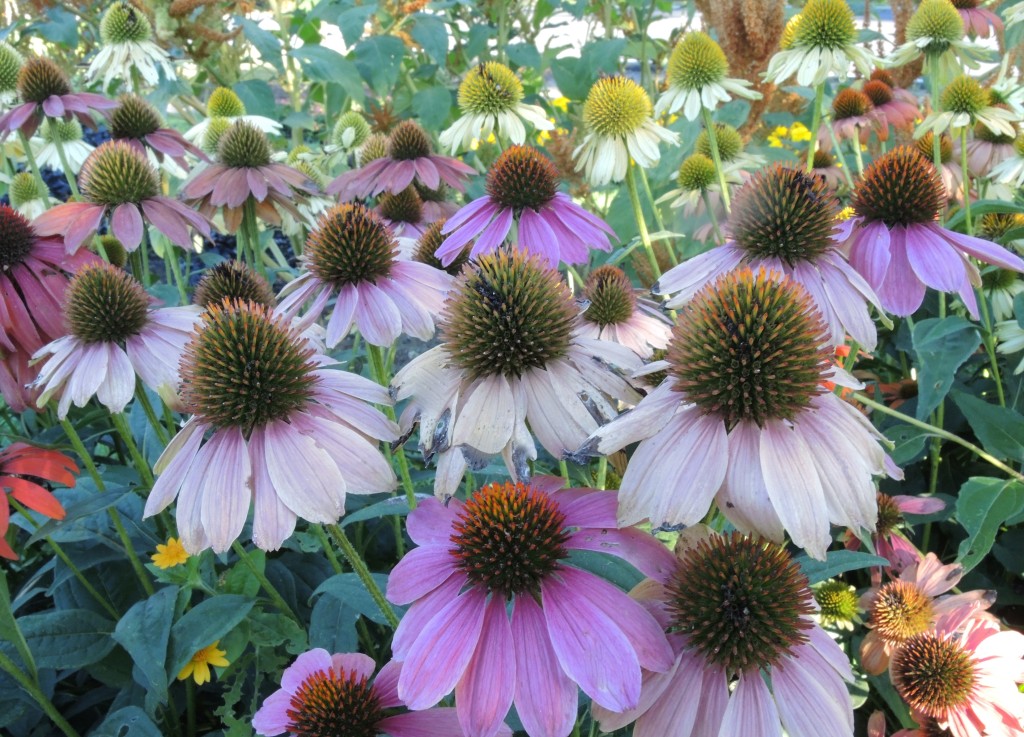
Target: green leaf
431, 33
349, 591
983, 207
1000, 429
257, 97
9, 627
61, 27
523, 55
602, 57
836, 562
80, 510
981, 507
1018, 309
270, 629
321, 64
144, 632
203, 625
942, 346
476, 44
392, 506
267, 44
379, 60
432, 106
908, 443
572, 77
131, 721
352, 22
67, 638
608, 567
332, 626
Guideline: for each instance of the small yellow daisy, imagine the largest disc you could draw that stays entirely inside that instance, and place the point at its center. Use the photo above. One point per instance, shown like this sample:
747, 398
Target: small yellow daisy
199, 666
169, 555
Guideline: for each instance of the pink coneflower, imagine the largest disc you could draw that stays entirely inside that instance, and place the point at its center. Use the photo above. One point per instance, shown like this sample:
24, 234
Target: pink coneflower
698, 195
889, 540
423, 249
854, 118
951, 172
16, 376
889, 108
986, 150
824, 165
436, 202
742, 419
410, 158
136, 121
784, 220
112, 336
294, 448
522, 188
402, 213
509, 543
119, 181
913, 604
245, 174
45, 91
511, 353
967, 681
614, 313
899, 247
978, 21
353, 254
738, 609
22, 467
324, 694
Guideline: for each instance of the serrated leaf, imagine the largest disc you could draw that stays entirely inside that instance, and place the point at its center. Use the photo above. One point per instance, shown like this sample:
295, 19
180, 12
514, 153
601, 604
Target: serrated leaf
981, 507
67, 638
144, 632
379, 60
431, 33
267, 44
349, 590
270, 629
942, 346
203, 625
1000, 429
836, 562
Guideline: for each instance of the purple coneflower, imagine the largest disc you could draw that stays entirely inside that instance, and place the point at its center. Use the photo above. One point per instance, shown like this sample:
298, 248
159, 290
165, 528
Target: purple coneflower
294, 448
950, 171
978, 21
897, 243
324, 694
118, 180
45, 91
891, 108
353, 254
112, 336
509, 543
511, 354
854, 118
422, 249
825, 166
988, 149
614, 313
784, 220
742, 419
436, 202
739, 609
410, 158
889, 540
136, 121
402, 212
522, 188
244, 173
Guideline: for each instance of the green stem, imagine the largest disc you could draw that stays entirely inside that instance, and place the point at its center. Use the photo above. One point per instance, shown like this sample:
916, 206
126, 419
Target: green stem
842, 158
273, 593
380, 373
321, 535
59, 145
602, 472
967, 179
154, 421
364, 574
31, 159
819, 100
190, 706
33, 690
563, 469
171, 260
650, 198
248, 237
79, 446
121, 424
709, 126
857, 154
77, 573
133, 557
990, 345
641, 223
714, 218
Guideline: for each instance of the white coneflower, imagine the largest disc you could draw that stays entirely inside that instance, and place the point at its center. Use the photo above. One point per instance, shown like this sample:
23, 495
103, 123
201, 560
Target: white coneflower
351, 131
10, 65
965, 102
128, 47
1010, 335
69, 134
491, 98
28, 196
1011, 170
936, 31
1001, 286
696, 78
224, 103
617, 115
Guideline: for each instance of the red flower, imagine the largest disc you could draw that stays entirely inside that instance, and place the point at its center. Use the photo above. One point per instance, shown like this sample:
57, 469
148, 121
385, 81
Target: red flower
22, 466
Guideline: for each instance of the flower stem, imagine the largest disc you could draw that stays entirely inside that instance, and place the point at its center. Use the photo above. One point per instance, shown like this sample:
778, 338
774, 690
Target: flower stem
819, 100
79, 446
842, 158
855, 143
602, 472
59, 145
381, 375
364, 574
249, 238
709, 126
121, 424
967, 179
273, 593
714, 218
641, 223
988, 337
325, 543
33, 690
31, 159
650, 198
154, 421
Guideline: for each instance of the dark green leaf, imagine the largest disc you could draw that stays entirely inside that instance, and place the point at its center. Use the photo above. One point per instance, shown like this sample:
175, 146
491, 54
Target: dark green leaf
321, 64
379, 60
352, 22
602, 57
144, 632
981, 507
332, 626
908, 443
476, 44
68, 638
349, 590
131, 721
942, 346
836, 562
80, 510
1018, 309
523, 55
267, 44
431, 33
392, 506
204, 625
608, 567
269, 629
1000, 429
61, 27
257, 97
432, 105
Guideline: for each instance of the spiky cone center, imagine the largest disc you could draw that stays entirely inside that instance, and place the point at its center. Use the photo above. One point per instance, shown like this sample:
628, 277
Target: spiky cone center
334, 703
16, 238
508, 538
115, 251
878, 92
696, 173
750, 346
789, 33
889, 515
730, 143
65, 131
825, 24
507, 316
224, 103
785, 213
696, 61
884, 76
965, 4
356, 123
1018, 145
40, 78
925, 146
431, 240
233, 280
964, 95
104, 304
25, 188
432, 195
243, 146
741, 601
983, 133
375, 147
116, 173
837, 602
616, 107
522, 177
403, 207
995, 225
937, 20
313, 172
10, 65
822, 160
350, 244
933, 674
611, 296
245, 367
850, 103
489, 89
134, 118
998, 279
408, 141
900, 610
900, 187
124, 23
215, 130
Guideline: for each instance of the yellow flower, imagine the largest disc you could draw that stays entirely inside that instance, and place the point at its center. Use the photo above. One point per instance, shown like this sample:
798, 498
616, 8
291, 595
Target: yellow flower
775, 137
199, 666
845, 214
799, 132
169, 555
562, 103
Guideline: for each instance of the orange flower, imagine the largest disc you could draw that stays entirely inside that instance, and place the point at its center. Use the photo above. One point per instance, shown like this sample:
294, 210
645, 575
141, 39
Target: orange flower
20, 467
